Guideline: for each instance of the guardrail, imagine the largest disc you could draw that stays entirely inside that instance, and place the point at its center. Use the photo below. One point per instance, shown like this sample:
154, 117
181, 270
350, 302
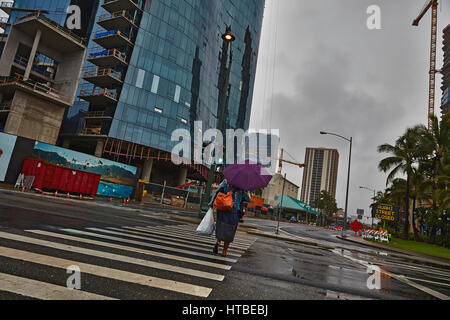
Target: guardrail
5, 107
117, 14
109, 53
103, 72
36, 86
96, 114
24, 63
102, 34
99, 92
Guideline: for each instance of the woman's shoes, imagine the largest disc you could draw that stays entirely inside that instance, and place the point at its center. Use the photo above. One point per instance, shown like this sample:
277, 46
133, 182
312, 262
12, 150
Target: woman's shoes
224, 253
216, 249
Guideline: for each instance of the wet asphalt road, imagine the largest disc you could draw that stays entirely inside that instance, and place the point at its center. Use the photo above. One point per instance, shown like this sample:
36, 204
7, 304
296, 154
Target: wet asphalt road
141, 254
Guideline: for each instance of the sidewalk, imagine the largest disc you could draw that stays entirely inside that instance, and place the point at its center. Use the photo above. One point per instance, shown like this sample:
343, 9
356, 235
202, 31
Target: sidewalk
359, 240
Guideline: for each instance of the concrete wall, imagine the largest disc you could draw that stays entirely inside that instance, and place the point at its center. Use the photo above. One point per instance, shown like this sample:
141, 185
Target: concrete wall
34, 118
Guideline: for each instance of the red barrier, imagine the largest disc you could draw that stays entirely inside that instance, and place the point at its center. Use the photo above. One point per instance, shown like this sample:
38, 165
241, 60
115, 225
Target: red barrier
51, 177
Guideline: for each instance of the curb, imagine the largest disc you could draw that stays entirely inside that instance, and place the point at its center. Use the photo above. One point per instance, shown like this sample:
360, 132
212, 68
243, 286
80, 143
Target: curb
407, 252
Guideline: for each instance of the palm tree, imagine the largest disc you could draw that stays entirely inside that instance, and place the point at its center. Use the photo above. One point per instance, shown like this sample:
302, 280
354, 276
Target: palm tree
437, 143
404, 155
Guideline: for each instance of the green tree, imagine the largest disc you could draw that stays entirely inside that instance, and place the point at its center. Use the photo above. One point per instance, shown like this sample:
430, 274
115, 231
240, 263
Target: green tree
436, 143
405, 153
326, 203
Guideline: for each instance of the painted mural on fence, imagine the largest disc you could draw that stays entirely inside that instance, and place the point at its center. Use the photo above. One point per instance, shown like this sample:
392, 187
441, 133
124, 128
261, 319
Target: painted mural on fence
117, 178
7, 143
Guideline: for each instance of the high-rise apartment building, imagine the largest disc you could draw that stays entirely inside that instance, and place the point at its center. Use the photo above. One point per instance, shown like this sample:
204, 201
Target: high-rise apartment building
445, 105
320, 173
154, 66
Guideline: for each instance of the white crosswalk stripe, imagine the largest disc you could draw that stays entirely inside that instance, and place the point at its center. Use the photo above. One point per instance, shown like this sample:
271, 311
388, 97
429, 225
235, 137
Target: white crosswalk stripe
162, 235
169, 258
121, 233
191, 234
174, 234
42, 290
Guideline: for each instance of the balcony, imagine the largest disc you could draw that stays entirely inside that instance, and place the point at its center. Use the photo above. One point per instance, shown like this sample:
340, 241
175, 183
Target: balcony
117, 20
98, 115
117, 5
113, 39
54, 35
106, 58
103, 77
5, 108
98, 96
10, 84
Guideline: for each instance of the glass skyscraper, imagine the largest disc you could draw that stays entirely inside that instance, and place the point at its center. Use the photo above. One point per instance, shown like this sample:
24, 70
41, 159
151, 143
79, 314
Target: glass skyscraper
154, 66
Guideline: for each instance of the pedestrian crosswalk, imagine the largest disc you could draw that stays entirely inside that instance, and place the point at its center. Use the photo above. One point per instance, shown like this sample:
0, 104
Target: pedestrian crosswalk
131, 262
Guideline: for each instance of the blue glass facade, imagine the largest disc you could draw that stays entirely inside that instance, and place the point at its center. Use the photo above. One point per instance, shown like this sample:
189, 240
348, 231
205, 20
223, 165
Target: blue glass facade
178, 67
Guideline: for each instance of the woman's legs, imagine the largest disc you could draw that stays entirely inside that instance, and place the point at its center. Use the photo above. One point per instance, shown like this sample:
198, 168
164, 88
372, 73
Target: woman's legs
225, 248
216, 247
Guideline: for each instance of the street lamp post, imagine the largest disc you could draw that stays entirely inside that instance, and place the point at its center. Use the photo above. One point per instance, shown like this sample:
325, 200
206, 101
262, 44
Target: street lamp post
229, 38
348, 177
374, 195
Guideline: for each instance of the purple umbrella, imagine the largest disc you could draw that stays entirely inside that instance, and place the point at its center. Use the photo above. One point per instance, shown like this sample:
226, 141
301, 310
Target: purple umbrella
247, 176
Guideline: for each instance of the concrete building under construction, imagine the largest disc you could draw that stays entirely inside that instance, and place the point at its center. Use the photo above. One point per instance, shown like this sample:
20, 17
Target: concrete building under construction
40, 68
445, 105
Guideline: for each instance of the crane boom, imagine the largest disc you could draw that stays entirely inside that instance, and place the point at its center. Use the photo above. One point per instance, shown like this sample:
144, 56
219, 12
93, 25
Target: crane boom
281, 160
433, 4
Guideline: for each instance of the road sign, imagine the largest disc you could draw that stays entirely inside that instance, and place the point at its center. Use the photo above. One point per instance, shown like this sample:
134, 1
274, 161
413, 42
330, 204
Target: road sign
385, 212
356, 226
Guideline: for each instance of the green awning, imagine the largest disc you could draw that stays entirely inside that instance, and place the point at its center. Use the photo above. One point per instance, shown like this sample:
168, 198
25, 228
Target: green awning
294, 204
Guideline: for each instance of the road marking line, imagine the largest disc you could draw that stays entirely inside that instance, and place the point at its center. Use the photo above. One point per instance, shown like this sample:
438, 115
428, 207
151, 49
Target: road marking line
209, 244
115, 274
145, 244
395, 276
239, 237
43, 290
132, 249
114, 257
157, 240
193, 233
429, 281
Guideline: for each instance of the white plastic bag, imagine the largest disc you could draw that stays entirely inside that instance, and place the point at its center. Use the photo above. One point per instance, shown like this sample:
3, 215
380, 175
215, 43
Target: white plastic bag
206, 227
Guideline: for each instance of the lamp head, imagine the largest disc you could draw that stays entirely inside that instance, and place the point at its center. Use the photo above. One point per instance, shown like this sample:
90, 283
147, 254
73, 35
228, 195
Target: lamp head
228, 35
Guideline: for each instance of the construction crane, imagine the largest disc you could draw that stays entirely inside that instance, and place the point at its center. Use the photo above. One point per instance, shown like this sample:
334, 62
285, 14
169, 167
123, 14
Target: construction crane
433, 4
281, 160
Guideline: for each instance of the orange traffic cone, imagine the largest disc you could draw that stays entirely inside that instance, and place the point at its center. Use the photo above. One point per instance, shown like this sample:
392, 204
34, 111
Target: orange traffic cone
81, 196
110, 200
56, 193
23, 189
68, 195
124, 201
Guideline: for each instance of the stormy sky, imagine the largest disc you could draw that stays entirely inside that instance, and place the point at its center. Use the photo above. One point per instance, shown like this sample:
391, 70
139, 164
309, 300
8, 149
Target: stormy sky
321, 68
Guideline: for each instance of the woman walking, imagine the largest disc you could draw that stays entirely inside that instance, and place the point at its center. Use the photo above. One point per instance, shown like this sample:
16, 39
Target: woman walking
227, 220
